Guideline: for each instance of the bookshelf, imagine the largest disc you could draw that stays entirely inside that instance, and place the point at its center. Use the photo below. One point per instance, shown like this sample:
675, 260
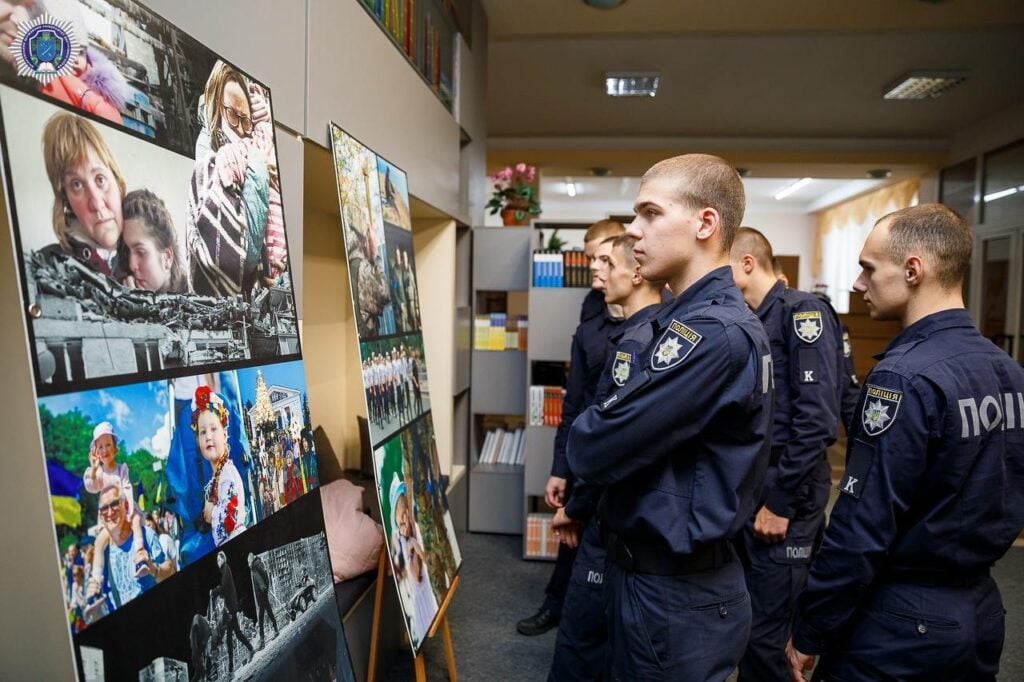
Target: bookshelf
424, 32
501, 269
554, 313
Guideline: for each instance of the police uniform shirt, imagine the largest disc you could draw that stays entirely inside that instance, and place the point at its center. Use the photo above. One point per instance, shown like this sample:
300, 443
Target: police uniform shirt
934, 483
587, 355
625, 344
684, 445
804, 333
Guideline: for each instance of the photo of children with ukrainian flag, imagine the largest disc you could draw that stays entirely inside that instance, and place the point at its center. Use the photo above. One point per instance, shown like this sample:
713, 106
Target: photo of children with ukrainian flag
149, 477
421, 539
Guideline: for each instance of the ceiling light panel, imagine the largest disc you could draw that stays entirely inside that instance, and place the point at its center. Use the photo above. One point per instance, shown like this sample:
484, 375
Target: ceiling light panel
632, 83
791, 187
924, 84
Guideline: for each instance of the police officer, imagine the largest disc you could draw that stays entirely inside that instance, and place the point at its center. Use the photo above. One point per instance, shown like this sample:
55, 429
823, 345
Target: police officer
933, 492
683, 446
587, 355
778, 541
582, 634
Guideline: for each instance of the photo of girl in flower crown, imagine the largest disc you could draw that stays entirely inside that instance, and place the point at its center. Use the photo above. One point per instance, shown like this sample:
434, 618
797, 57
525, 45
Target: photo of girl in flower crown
224, 508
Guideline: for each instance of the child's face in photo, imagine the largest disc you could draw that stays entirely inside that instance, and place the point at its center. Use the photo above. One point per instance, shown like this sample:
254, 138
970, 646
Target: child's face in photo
211, 438
404, 522
150, 266
105, 450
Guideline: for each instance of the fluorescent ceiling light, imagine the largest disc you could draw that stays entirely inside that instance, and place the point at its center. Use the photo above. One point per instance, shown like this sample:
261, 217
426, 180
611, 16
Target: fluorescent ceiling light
791, 187
1003, 193
570, 187
632, 83
924, 84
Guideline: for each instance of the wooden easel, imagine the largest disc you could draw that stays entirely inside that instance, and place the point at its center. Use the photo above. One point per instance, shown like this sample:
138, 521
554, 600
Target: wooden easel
440, 622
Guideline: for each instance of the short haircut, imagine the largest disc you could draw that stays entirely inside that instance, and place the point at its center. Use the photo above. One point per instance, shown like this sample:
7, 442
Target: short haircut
936, 230
604, 228
67, 139
625, 243
703, 180
749, 240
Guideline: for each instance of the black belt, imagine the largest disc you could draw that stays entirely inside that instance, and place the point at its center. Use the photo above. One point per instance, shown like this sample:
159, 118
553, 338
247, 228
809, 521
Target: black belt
642, 558
933, 579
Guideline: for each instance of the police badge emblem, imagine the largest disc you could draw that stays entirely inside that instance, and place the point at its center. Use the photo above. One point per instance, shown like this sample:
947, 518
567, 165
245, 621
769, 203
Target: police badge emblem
675, 345
807, 325
620, 369
880, 408
45, 48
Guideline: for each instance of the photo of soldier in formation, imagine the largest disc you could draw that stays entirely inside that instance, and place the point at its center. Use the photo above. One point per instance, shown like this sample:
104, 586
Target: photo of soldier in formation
395, 382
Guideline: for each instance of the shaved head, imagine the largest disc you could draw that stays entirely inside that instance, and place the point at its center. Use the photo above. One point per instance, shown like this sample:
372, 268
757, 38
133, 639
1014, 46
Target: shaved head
603, 229
749, 240
705, 181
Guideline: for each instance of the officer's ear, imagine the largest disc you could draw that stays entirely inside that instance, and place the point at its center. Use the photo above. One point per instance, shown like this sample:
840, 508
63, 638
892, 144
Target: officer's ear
748, 262
913, 270
637, 278
710, 222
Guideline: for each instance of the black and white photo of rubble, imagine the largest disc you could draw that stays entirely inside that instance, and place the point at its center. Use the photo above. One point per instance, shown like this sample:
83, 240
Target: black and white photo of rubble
88, 326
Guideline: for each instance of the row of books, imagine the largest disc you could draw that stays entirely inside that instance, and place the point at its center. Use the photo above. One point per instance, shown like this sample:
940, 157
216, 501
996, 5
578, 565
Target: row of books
546, 405
552, 268
398, 18
504, 447
498, 331
541, 541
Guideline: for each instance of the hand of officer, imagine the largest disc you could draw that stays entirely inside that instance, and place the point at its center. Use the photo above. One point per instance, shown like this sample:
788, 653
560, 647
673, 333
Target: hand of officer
798, 662
554, 492
567, 530
770, 528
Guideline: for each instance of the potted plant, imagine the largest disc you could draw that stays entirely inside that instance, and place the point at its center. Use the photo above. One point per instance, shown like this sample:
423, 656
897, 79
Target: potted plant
514, 194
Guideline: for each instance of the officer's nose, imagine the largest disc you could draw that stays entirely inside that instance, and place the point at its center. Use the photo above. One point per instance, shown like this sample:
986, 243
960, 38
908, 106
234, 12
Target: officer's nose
633, 231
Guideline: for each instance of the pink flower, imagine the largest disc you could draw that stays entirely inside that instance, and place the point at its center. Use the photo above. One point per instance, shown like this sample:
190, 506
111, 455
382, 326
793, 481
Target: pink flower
520, 167
531, 173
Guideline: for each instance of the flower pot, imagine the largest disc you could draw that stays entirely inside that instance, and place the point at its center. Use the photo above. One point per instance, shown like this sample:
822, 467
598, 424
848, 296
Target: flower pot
508, 216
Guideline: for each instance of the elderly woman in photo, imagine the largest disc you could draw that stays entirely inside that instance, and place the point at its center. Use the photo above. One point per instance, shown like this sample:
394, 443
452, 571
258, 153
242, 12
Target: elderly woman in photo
88, 189
235, 222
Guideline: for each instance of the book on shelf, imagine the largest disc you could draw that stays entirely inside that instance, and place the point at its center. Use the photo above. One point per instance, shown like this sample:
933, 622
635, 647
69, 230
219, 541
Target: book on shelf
497, 331
503, 446
545, 408
553, 268
541, 541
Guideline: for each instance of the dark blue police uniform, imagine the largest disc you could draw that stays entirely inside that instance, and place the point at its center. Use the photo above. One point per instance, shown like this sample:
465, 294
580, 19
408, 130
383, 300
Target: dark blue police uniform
582, 632
587, 355
807, 347
850, 385
932, 496
682, 449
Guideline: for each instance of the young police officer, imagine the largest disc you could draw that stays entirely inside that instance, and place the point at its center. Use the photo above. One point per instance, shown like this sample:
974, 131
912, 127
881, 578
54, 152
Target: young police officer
586, 360
778, 541
582, 634
933, 492
683, 446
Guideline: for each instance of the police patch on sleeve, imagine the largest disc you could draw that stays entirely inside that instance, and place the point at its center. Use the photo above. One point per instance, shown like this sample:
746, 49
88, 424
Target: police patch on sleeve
807, 325
675, 345
620, 368
880, 408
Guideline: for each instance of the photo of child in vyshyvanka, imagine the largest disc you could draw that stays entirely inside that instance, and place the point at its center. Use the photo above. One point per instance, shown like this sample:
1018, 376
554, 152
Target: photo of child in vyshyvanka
235, 220
224, 508
410, 563
202, 496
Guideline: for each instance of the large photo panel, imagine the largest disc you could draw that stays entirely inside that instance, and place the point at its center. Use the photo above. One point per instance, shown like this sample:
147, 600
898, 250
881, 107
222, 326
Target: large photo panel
144, 250
417, 523
148, 478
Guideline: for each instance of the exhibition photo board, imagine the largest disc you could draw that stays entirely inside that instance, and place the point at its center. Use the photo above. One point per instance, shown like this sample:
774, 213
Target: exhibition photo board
143, 194
376, 224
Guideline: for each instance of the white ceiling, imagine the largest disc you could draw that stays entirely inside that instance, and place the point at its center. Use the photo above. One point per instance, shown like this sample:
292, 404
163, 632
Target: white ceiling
816, 195
743, 75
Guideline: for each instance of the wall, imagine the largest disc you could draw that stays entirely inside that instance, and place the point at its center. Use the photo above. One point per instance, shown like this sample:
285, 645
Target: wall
434, 244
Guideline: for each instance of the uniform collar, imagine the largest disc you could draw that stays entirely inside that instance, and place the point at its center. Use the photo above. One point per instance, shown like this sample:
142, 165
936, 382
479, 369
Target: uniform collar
774, 294
593, 305
638, 318
928, 325
700, 291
